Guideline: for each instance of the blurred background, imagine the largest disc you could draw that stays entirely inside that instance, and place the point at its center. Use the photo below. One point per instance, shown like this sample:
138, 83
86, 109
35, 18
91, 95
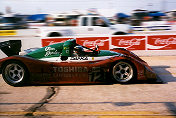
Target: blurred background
21, 14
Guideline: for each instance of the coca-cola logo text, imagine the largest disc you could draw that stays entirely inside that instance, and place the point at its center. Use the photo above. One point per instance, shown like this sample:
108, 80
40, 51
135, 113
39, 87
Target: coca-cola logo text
98, 42
131, 42
159, 41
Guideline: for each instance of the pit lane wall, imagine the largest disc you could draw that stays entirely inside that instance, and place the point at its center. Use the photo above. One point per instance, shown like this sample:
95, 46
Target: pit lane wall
140, 44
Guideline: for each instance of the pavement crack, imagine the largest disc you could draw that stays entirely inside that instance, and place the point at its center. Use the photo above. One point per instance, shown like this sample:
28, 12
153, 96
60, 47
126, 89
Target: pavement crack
51, 92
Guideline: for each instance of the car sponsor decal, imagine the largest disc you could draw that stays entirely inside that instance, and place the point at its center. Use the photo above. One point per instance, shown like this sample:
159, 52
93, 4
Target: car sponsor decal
70, 75
79, 58
69, 69
94, 74
76, 59
50, 51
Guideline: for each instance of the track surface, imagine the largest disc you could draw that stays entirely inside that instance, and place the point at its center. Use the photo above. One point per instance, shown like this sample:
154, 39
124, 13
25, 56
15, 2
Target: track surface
138, 100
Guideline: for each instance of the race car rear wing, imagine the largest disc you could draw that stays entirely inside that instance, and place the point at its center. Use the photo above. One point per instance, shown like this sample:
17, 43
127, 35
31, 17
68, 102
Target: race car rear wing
11, 47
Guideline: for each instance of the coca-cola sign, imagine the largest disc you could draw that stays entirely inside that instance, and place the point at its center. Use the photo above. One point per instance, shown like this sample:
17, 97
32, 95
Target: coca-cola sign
153, 42
161, 42
51, 41
129, 42
102, 42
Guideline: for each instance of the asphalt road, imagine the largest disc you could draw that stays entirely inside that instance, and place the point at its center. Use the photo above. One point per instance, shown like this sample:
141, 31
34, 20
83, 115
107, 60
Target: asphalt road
137, 100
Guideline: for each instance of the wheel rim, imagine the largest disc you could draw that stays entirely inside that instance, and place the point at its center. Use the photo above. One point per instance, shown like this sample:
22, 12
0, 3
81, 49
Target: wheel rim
14, 73
123, 72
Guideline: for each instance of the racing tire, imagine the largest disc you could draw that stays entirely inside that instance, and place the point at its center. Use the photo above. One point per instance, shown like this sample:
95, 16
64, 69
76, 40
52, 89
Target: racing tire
54, 34
123, 72
15, 73
119, 33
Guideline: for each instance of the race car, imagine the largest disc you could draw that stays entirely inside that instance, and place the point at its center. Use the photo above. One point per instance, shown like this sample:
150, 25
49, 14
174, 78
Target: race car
71, 63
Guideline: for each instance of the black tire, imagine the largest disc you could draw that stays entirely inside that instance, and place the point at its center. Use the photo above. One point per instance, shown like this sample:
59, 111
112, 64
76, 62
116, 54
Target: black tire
119, 33
15, 73
54, 34
123, 72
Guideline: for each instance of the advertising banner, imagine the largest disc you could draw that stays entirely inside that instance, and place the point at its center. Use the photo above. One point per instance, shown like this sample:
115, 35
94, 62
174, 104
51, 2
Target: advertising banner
161, 42
129, 42
50, 41
153, 42
102, 42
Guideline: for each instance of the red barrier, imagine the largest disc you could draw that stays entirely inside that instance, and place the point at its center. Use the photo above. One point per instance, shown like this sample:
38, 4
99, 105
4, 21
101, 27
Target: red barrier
129, 42
50, 41
102, 42
161, 42
154, 42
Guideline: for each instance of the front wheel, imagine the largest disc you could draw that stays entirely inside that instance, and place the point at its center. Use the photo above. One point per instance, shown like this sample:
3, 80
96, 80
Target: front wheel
123, 72
15, 73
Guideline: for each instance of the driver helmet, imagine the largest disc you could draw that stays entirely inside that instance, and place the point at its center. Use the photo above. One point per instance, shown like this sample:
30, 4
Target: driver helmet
78, 49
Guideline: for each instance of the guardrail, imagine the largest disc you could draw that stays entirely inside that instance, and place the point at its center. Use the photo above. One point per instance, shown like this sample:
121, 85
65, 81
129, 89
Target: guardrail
130, 42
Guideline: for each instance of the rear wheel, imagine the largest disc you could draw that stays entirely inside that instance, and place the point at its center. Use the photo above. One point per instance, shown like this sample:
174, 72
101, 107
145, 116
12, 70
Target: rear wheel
15, 73
123, 72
